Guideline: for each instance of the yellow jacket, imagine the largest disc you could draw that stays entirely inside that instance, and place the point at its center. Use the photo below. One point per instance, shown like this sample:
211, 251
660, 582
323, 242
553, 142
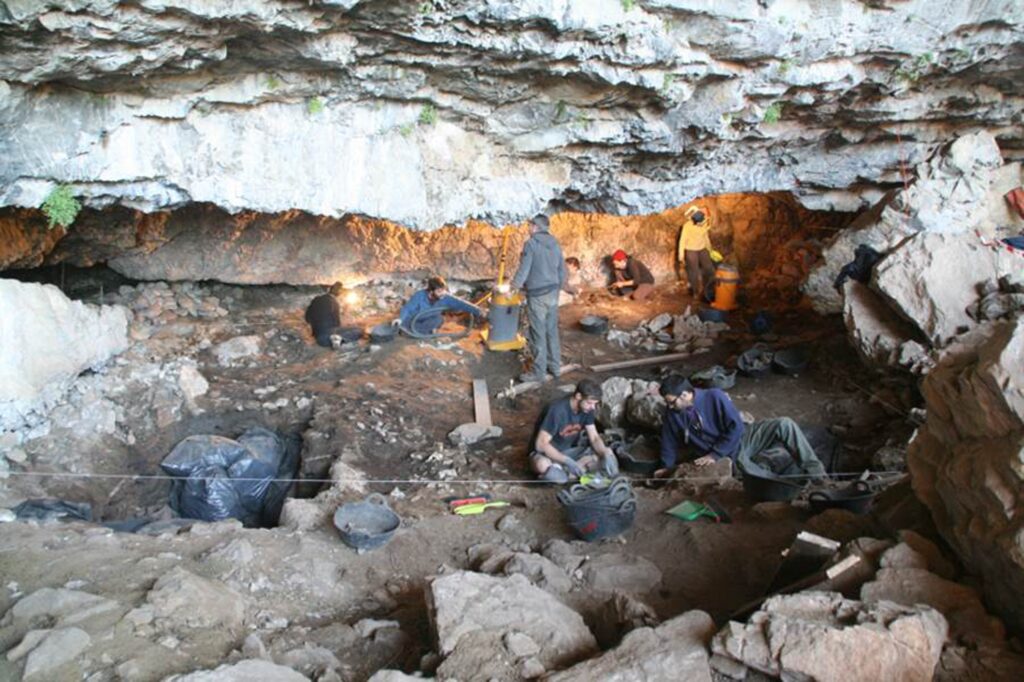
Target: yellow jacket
695, 237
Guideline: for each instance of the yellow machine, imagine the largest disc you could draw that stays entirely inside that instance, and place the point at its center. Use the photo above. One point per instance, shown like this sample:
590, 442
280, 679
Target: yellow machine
502, 332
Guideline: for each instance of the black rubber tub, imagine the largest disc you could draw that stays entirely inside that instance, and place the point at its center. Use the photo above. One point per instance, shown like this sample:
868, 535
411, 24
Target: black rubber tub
594, 324
382, 333
763, 489
791, 360
857, 499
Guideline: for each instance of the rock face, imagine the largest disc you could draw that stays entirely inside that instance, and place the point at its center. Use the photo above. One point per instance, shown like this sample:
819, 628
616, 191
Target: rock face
429, 113
965, 460
955, 192
467, 604
46, 340
203, 242
184, 601
816, 635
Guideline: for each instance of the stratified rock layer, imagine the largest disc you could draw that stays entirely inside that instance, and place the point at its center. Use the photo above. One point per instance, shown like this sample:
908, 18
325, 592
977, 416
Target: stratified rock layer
966, 460
428, 113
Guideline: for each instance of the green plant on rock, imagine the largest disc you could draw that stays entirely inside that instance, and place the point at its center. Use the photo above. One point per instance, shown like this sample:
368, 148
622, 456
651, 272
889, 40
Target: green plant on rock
786, 66
666, 84
273, 82
406, 129
773, 113
428, 115
60, 207
581, 120
426, 7
314, 105
561, 112
628, 5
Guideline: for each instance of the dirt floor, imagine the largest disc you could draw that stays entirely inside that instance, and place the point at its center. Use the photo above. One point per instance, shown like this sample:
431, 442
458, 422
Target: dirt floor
385, 411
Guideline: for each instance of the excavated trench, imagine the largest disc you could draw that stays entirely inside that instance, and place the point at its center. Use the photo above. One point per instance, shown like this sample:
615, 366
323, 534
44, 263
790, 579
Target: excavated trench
383, 412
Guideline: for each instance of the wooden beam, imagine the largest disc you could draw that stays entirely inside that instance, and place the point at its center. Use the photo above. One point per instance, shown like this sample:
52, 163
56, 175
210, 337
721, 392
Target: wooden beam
481, 403
626, 364
519, 389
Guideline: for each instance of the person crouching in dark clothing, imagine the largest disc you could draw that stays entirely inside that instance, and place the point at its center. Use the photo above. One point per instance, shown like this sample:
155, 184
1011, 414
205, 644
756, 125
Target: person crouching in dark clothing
324, 315
632, 278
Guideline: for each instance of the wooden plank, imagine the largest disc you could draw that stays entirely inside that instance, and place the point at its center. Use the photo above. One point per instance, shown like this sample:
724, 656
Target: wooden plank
626, 364
481, 403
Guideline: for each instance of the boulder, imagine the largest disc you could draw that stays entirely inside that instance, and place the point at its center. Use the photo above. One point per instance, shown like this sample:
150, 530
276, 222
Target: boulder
46, 341
645, 407
816, 635
540, 571
184, 601
623, 572
675, 650
875, 330
965, 459
932, 279
463, 603
611, 412
471, 433
303, 514
244, 671
54, 650
237, 348
961, 605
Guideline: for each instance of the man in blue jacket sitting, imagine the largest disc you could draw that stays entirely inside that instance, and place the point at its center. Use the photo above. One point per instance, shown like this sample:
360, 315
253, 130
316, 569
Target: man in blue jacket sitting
422, 314
707, 422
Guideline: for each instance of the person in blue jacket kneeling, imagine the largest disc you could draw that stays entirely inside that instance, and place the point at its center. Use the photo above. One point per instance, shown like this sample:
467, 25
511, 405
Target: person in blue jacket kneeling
422, 314
705, 423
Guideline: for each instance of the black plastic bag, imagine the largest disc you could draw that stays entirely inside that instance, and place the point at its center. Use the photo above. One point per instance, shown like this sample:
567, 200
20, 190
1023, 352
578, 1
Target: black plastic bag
219, 478
52, 509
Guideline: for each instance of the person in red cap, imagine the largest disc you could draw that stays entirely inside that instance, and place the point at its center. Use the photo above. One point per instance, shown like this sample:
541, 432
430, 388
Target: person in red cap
632, 278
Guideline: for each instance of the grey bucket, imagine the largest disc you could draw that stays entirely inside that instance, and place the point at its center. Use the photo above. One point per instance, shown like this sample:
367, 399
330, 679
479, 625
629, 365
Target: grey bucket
367, 524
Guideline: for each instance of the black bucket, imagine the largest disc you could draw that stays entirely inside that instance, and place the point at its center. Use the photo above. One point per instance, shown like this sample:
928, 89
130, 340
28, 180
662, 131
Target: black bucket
350, 334
791, 360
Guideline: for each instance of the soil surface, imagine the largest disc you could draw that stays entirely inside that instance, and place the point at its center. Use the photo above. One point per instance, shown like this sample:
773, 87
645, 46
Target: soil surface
385, 411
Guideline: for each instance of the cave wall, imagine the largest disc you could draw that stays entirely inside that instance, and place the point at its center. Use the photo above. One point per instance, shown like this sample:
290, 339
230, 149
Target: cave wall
432, 113
203, 242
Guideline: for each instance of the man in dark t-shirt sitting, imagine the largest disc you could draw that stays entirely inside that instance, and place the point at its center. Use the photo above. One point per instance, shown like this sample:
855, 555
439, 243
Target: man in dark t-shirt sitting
324, 315
632, 278
566, 443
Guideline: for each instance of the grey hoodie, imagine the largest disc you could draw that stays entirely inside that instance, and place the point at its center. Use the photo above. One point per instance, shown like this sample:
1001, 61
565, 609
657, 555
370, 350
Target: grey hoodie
541, 267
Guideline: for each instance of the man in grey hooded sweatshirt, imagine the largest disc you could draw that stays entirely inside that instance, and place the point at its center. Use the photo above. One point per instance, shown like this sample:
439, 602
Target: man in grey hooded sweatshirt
541, 273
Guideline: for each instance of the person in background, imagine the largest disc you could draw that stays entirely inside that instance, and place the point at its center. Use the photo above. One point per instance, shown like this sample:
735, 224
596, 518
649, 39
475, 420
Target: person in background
573, 282
707, 423
541, 273
422, 313
695, 251
566, 443
632, 278
324, 316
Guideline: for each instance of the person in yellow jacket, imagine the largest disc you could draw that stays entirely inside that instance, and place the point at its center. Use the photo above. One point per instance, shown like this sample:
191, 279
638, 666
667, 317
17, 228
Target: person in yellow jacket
695, 250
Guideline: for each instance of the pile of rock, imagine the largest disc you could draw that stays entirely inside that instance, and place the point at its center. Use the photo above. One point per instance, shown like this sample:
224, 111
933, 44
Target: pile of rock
630, 402
156, 304
689, 334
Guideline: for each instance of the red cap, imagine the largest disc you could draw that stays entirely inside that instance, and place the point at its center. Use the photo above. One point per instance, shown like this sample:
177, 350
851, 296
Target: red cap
619, 255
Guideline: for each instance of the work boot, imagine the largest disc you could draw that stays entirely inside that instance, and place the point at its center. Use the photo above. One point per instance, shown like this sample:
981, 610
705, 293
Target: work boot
335, 341
528, 377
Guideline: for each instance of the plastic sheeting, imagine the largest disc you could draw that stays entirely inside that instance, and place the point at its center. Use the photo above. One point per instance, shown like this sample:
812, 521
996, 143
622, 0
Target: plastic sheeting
218, 478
